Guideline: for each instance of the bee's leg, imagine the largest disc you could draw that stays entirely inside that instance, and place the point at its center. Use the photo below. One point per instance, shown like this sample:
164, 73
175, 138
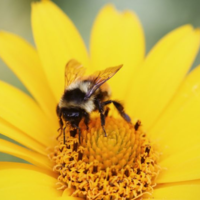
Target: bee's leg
101, 111
106, 111
86, 119
79, 134
61, 125
79, 131
120, 109
64, 135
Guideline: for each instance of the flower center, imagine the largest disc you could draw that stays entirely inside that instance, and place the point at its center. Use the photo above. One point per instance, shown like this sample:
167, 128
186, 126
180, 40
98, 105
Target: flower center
121, 165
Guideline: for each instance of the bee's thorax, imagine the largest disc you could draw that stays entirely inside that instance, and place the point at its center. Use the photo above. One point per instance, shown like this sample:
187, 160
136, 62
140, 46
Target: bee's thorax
74, 94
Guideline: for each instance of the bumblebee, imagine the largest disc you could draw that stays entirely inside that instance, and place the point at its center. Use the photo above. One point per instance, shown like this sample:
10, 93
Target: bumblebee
84, 95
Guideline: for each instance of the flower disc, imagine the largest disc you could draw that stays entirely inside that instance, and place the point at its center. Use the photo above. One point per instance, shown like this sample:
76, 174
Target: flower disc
121, 165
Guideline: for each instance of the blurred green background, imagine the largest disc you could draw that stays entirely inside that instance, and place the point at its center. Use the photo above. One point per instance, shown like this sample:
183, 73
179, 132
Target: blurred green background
158, 17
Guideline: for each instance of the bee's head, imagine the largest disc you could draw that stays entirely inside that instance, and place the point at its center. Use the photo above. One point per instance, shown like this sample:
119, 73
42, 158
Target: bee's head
71, 114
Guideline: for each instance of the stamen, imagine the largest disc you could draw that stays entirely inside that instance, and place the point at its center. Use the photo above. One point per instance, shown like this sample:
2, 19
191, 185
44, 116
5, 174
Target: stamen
137, 125
122, 165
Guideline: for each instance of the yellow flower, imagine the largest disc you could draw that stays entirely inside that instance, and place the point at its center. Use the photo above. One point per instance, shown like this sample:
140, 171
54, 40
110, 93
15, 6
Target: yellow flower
155, 89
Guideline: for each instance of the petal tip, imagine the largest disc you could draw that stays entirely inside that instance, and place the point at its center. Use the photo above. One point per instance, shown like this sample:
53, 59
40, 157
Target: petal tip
2, 32
188, 26
130, 15
109, 8
197, 31
42, 2
33, 5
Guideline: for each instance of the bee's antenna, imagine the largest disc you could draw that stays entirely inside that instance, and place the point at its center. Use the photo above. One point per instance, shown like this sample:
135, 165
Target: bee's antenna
64, 135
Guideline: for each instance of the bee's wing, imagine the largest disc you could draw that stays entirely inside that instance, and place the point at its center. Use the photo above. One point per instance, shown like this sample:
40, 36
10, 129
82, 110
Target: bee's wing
100, 77
73, 71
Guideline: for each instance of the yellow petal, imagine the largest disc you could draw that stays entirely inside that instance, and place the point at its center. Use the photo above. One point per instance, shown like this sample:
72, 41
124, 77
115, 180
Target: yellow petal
178, 127
117, 38
181, 166
28, 155
179, 192
162, 73
28, 191
57, 41
23, 113
25, 175
67, 195
17, 135
26, 184
187, 91
24, 61
14, 165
